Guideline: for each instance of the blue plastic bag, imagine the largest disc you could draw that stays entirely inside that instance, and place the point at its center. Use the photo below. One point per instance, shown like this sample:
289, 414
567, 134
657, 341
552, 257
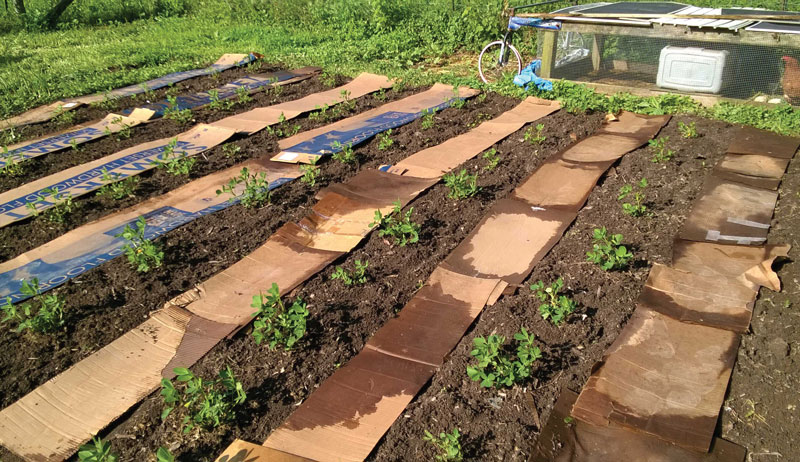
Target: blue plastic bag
528, 76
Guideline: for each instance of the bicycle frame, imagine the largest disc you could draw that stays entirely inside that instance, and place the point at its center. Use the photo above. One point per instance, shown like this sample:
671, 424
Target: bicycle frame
501, 60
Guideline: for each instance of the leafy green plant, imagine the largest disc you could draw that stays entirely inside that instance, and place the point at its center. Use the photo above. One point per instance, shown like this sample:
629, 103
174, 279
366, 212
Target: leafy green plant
231, 150
636, 208
461, 185
428, 120
283, 128
381, 95
448, 445
608, 251
660, 151
557, 307
321, 113
243, 95
74, 144
492, 159
63, 117
535, 135
174, 112
114, 188
457, 101
254, 190
276, 323
385, 140
143, 254
202, 403
497, 367
217, 103
688, 131
45, 313
62, 207
347, 103
310, 173
345, 153
397, 225
175, 163
12, 166
356, 277
97, 451
124, 131
328, 79
163, 455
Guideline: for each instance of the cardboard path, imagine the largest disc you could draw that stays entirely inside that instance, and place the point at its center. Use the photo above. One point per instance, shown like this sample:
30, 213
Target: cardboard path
114, 123
48, 111
52, 421
667, 373
346, 416
85, 178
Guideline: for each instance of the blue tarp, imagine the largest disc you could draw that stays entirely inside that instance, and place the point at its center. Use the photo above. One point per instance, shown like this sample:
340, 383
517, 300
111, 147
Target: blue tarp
528, 77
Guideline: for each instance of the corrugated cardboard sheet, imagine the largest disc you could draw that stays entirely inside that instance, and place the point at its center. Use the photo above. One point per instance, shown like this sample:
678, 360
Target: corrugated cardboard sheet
749, 140
309, 146
48, 111
662, 377
242, 451
752, 170
576, 441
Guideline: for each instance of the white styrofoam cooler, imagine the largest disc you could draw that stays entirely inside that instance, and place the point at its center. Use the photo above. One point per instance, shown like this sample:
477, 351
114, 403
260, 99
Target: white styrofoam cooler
692, 69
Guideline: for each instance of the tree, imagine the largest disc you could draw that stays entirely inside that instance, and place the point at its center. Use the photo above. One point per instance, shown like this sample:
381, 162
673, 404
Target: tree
52, 16
19, 5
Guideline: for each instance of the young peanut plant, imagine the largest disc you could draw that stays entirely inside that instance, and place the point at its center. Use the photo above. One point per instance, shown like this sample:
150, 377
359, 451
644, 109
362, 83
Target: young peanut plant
534, 135
608, 251
217, 103
448, 445
243, 95
327, 79
143, 254
231, 150
173, 112
163, 455
461, 185
255, 192
310, 173
175, 163
492, 160
124, 131
347, 103
398, 226
457, 102
428, 120
63, 117
497, 367
356, 277
97, 451
557, 307
115, 189
45, 313
202, 403
660, 151
636, 208
688, 131
283, 128
345, 153
12, 166
385, 140
62, 207
276, 323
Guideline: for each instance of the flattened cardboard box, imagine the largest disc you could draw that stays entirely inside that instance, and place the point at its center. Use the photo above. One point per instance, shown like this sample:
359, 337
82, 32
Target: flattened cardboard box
749, 140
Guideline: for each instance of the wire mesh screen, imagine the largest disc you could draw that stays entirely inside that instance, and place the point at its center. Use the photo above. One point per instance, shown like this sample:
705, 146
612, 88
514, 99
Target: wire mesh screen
761, 69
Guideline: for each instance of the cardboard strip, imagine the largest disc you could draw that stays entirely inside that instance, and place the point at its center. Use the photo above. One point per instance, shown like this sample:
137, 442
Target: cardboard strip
242, 451
114, 123
48, 111
84, 248
730, 213
749, 140
662, 377
309, 146
564, 439
752, 170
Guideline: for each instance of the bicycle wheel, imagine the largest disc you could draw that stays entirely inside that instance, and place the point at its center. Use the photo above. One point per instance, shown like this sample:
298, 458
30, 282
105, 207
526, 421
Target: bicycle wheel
491, 66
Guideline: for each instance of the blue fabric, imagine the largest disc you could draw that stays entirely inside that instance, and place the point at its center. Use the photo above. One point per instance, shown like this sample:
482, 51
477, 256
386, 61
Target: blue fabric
528, 76
516, 23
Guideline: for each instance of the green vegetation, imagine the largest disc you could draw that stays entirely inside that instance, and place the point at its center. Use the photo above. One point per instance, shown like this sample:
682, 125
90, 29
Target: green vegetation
97, 451
283, 128
310, 173
243, 95
385, 140
344, 152
660, 151
45, 313
636, 208
217, 103
276, 323
608, 251
397, 225
461, 185
143, 254
448, 445
254, 190
533, 135
64, 118
12, 166
61, 205
115, 188
231, 150
688, 131
557, 307
428, 119
175, 163
174, 112
492, 159
202, 403
355, 277
163, 455
497, 367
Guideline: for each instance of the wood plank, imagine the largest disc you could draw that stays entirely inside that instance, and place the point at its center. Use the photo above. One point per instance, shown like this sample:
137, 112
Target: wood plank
549, 46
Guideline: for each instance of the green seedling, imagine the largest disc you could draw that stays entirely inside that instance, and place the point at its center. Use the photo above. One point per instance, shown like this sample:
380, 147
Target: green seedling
397, 226
115, 188
202, 403
636, 208
479, 119
310, 173
457, 102
282, 128
163, 455
660, 151
63, 117
97, 451
231, 150
428, 120
608, 251
173, 112
12, 166
321, 113
688, 131
381, 95
276, 90
385, 140
461, 185
109, 102
497, 367
492, 160
398, 86
42, 313
556, 307
147, 94
275, 323
254, 188
356, 277
217, 103
124, 131
62, 207
74, 144
243, 95
345, 153
327, 79
175, 163
143, 254
347, 103
447, 444
534, 135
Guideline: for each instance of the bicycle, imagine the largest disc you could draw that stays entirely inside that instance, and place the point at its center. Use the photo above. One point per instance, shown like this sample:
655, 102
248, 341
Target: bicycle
500, 56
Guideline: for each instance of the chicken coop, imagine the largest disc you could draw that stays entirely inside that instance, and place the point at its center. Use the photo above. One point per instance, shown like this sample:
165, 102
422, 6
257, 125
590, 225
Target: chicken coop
650, 47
